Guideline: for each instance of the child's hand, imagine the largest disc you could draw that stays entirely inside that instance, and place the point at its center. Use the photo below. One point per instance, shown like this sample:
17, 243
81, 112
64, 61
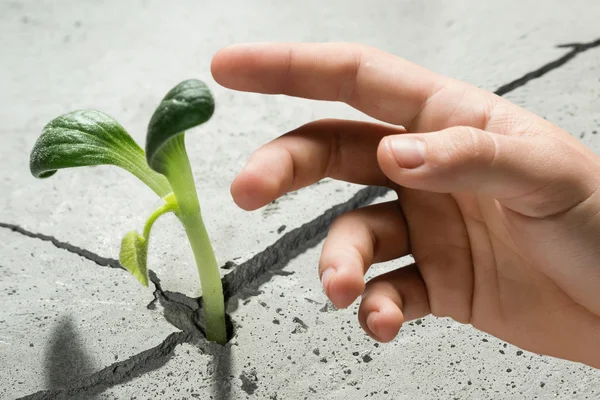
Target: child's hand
499, 208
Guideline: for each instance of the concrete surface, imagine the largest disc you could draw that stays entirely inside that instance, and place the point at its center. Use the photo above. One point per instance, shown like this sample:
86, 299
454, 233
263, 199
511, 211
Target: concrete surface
121, 57
63, 317
289, 345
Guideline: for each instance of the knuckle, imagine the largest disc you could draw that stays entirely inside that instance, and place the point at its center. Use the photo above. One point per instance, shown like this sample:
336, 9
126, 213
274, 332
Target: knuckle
334, 158
468, 146
286, 81
351, 73
554, 147
361, 240
572, 182
348, 221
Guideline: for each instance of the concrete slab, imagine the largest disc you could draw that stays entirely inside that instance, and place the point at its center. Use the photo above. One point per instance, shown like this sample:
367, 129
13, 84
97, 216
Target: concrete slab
121, 58
64, 317
291, 345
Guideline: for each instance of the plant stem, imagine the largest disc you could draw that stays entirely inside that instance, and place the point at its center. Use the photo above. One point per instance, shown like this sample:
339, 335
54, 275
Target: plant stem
169, 206
179, 174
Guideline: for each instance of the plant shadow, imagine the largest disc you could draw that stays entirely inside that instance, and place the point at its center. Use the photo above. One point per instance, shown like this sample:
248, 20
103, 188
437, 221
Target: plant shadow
221, 361
66, 359
221, 356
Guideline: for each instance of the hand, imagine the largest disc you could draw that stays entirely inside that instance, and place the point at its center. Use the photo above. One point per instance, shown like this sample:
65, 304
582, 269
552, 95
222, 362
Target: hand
499, 208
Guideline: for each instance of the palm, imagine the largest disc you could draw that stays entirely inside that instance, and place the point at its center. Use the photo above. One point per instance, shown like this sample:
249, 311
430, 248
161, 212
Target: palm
506, 285
476, 271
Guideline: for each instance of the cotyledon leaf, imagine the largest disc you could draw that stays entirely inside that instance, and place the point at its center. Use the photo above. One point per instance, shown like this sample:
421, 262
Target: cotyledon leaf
134, 251
187, 105
89, 137
81, 138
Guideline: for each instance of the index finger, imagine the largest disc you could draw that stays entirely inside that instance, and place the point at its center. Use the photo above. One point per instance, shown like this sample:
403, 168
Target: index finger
377, 83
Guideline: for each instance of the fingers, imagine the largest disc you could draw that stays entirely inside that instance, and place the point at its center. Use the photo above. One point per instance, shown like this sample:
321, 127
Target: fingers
379, 84
441, 247
356, 240
390, 300
345, 150
536, 176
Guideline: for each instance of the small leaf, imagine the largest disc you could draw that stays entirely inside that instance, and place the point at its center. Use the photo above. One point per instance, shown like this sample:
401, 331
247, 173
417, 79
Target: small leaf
134, 250
81, 138
187, 105
134, 247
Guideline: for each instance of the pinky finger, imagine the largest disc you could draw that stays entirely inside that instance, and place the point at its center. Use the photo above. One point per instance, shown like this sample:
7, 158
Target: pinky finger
392, 299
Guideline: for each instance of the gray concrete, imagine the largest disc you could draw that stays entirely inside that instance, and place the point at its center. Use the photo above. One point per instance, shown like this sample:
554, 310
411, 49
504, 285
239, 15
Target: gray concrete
63, 317
120, 57
568, 97
332, 359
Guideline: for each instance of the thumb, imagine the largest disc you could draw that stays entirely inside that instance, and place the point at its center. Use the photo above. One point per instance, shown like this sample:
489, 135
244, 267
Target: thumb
537, 176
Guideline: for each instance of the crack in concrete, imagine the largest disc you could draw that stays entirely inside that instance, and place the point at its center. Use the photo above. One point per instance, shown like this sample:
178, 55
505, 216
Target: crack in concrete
185, 312
552, 65
119, 372
102, 261
179, 310
265, 264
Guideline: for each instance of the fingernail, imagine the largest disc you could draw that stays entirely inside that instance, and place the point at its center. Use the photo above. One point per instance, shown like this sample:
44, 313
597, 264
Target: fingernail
326, 278
371, 322
408, 152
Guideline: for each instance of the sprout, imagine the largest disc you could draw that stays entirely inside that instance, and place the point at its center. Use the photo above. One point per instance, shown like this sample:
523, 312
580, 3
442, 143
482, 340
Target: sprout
89, 137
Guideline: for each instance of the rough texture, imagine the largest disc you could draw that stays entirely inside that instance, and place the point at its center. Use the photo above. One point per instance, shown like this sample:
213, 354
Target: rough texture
278, 255
291, 344
102, 261
72, 329
116, 373
576, 48
64, 317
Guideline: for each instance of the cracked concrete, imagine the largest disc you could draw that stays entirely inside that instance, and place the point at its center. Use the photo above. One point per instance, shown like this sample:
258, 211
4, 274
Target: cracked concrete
42, 289
570, 97
182, 311
291, 345
576, 49
293, 243
63, 60
102, 261
119, 372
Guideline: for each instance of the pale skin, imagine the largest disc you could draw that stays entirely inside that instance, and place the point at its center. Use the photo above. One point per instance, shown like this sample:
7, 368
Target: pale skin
499, 208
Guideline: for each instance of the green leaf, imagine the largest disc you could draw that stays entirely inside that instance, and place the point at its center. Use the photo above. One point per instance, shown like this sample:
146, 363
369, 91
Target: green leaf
89, 137
134, 247
187, 105
78, 139
133, 255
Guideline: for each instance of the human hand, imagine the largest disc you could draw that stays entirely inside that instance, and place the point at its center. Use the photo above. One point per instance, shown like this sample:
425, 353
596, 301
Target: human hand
499, 208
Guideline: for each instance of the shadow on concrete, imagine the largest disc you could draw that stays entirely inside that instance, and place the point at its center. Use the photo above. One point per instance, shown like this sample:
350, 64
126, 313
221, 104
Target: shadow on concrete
66, 359
222, 377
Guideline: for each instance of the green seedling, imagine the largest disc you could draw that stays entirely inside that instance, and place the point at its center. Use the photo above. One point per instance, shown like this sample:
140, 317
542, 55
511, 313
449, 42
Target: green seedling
89, 137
